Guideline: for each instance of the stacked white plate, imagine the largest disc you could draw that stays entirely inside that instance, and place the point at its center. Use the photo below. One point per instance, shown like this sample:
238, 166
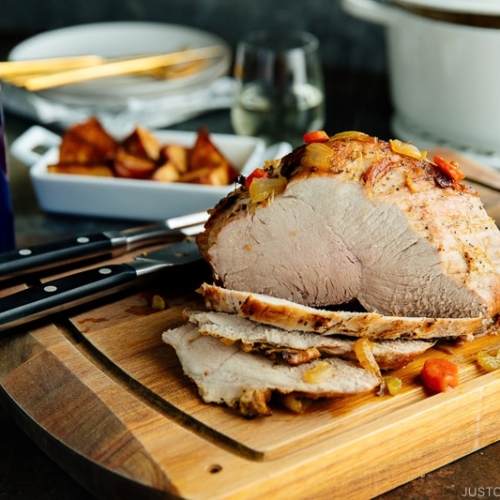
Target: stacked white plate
125, 94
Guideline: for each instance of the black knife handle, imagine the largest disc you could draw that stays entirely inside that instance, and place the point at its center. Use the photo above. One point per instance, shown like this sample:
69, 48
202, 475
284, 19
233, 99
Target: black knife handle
58, 295
46, 255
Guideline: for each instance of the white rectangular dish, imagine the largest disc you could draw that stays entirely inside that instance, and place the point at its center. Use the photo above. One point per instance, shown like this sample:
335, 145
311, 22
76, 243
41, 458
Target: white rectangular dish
129, 198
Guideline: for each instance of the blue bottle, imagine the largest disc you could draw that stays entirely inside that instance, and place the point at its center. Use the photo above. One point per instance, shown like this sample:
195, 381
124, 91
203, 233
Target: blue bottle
7, 241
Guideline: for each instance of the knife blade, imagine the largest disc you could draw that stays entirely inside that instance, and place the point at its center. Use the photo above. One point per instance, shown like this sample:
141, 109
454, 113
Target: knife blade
46, 256
64, 293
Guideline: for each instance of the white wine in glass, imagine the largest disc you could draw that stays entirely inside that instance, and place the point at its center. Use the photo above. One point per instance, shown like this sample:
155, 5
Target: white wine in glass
280, 86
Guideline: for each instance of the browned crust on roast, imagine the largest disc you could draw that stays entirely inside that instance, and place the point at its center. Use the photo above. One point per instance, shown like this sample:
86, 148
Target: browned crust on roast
290, 316
238, 203
296, 347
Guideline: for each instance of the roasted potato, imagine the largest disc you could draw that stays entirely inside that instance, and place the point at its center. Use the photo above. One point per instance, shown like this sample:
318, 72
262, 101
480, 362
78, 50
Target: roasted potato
87, 149
81, 169
177, 155
205, 155
141, 142
132, 166
87, 142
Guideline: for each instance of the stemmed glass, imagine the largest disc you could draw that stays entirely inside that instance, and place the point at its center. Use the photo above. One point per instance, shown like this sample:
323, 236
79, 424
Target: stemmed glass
280, 86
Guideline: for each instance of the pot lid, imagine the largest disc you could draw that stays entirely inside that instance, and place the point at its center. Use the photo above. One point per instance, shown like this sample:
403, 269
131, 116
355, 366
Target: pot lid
483, 7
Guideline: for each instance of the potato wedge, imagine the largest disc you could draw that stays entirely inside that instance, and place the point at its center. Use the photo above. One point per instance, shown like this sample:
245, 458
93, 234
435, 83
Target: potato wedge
168, 172
131, 166
206, 155
87, 149
75, 149
80, 169
92, 133
218, 176
141, 142
177, 155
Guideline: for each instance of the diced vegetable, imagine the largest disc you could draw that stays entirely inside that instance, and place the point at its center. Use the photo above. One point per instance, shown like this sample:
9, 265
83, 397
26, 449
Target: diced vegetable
317, 155
319, 373
158, 303
316, 136
363, 348
256, 174
263, 188
294, 403
405, 148
352, 134
487, 361
439, 374
451, 169
393, 384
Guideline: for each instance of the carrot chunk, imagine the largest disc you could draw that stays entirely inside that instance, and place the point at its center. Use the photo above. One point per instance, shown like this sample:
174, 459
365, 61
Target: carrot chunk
258, 173
451, 169
439, 374
316, 136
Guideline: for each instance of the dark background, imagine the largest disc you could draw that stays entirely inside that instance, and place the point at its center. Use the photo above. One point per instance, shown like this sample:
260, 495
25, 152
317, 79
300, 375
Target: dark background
347, 43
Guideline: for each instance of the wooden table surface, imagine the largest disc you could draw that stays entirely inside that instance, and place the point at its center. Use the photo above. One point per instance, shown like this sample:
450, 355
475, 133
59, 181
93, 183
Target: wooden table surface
355, 102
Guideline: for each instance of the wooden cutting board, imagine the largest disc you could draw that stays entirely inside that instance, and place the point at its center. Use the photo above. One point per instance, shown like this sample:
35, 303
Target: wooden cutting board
107, 400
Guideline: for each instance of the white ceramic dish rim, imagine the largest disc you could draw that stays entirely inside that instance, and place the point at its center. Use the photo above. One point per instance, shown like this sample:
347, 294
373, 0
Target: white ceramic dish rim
483, 7
110, 39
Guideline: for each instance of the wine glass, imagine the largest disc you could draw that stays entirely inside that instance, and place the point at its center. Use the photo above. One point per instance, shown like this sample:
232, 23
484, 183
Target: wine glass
280, 92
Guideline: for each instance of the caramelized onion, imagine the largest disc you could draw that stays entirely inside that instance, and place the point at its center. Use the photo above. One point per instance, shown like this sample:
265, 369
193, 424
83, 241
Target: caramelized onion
487, 361
317, 154
407, 149
294, 403
350, 134
263, 188
319, 373
363, 350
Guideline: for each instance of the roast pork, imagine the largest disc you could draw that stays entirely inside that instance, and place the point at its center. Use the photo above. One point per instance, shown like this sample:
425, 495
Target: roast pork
289, 315
359, 218
351, 219
227, 375
296, 347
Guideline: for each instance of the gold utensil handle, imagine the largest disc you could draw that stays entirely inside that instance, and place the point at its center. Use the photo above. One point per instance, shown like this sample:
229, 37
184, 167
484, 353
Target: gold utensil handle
17, 68
120, 67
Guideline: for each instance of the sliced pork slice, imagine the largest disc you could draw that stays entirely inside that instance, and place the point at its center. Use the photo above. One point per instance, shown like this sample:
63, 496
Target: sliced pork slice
297, 347
359, 218
292, 316
227, 375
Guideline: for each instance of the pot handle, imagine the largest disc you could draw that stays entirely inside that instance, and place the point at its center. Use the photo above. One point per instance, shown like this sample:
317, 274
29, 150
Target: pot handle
370, 10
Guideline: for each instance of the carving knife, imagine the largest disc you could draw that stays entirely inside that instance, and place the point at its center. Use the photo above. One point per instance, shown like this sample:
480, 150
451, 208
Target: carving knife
82, 287
46, 256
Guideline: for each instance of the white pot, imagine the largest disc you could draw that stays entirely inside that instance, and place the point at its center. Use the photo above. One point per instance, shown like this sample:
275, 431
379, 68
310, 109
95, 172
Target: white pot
444, 77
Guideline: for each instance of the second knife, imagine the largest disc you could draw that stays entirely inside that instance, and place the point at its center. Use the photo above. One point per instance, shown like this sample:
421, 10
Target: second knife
46, 256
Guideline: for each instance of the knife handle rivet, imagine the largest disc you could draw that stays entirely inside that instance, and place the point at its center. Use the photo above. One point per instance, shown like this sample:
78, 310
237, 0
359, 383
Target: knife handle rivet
105, 270
25, 251
50, 288
82, 239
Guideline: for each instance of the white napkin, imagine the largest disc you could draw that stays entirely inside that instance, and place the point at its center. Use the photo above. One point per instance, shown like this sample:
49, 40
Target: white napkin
121, 118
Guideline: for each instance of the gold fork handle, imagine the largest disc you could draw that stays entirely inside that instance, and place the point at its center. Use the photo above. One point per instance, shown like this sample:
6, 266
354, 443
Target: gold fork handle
17, 68
121, 67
